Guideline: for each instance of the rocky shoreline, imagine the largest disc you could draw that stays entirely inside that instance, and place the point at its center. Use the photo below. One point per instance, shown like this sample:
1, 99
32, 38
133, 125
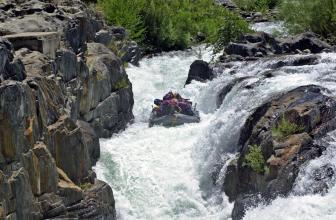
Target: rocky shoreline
61, 88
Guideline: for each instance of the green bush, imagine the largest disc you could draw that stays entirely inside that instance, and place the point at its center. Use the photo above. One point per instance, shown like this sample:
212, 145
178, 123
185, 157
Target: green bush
285, 128
256, 5
121, 84
170, 24
232, 28
125, 13
255, 159
310, 15
85, 186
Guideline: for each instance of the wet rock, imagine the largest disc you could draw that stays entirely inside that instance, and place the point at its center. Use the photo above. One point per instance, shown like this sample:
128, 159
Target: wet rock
131, 53
261, 44
243, 203
306, 108
297, 61
226, 90
199, 71
303, 42
243, 50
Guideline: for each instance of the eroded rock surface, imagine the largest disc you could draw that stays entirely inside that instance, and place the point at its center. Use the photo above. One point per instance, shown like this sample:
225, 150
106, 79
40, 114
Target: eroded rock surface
61, 88
284, 130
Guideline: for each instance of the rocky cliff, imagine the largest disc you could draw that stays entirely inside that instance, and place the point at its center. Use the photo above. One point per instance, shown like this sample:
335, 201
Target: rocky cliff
61, 88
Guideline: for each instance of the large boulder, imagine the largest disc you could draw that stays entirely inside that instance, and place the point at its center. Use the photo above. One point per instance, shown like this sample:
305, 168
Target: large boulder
280, 136
303, 42
199, 71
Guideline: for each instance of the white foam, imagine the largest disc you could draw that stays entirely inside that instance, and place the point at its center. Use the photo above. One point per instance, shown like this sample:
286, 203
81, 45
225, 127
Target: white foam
165, 173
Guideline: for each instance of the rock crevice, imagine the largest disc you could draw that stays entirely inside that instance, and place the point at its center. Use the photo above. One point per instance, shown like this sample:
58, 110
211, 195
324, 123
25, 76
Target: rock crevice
61, 88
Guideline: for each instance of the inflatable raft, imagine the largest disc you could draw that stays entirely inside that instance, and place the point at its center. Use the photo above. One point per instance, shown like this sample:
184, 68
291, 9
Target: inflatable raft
174, 119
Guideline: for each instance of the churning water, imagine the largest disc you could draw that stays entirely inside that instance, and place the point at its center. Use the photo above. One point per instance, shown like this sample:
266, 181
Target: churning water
166, 173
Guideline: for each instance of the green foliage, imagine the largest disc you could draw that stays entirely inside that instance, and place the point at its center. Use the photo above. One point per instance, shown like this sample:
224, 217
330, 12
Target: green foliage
125, 13
310, 15
85, 186
256, 5
121, 84
285, 128
232, 28
255, 159
169, 24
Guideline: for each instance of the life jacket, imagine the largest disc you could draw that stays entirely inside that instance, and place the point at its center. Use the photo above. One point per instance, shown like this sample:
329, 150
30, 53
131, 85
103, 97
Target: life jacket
168, 96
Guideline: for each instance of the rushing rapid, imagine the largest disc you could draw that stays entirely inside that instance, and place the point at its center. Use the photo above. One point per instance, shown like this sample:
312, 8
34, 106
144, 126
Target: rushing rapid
167, 173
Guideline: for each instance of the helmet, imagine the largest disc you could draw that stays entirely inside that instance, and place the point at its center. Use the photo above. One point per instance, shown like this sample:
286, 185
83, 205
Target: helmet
157, 102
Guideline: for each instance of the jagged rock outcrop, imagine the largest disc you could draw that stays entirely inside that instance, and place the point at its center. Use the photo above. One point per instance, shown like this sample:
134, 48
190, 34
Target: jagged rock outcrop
276, 140
61, 88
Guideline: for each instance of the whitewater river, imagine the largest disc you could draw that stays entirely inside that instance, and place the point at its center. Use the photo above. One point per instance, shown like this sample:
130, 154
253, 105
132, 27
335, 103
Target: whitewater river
165, 173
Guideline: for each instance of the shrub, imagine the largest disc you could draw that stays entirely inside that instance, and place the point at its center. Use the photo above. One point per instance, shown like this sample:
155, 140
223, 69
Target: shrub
125, 13
285, 128
169, 25
232, 29
310, 15
121, 84
255, 159
85, 186
256, 5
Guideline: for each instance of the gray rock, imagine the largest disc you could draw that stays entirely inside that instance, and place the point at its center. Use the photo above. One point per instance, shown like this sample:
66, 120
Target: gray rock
67, 146
104, 37
26, 205
91, 140
44, 42
131, 53
66, 62
303, 42
200, 71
